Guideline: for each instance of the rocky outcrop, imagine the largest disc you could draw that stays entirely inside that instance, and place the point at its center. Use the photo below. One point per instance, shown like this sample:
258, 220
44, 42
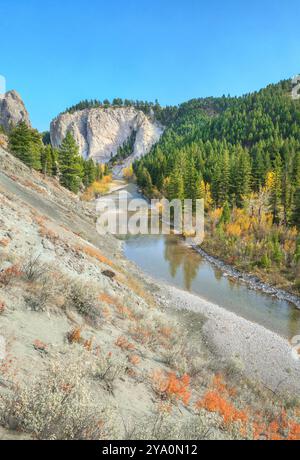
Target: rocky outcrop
99, 132
12, 110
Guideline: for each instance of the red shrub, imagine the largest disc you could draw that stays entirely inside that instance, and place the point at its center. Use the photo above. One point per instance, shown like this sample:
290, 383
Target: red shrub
172, 387
74, 336
10, 273
214, 402
123, 343
39, 345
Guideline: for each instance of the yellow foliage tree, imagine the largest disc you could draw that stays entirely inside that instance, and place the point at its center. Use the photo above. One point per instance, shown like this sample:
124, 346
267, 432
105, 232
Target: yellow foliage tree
128, 172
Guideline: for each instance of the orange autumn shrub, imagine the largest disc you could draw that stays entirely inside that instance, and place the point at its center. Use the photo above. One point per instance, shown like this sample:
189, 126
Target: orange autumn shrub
169, 386
38, 219
214, 402
2, 307
39, 345
140, 333
125, 312
294, 431
123, 343
219, 384
106, 298
4, 242
217, 399
74, 336
134, 359
277, 429
9, 274
95, 253
166, 332
88, 344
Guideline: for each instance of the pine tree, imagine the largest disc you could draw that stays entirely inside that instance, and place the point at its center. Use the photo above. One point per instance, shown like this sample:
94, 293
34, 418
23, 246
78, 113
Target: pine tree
49, 160
99, 172
287, 188
105, 170
221, 178
175, 188
144, 179
191, 180
26, 144
258, 169
89, 172
276, 188
225, 218
242, 178
296, 208
224, 178
70, 164
297, 252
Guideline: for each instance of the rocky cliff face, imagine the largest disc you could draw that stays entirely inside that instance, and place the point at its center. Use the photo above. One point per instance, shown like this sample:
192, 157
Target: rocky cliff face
12, 110
99, 131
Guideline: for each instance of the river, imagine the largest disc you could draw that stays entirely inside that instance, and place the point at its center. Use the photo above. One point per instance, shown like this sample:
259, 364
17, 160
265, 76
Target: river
167, 258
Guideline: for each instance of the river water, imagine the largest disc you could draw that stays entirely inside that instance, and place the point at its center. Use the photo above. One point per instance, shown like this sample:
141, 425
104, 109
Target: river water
167, 258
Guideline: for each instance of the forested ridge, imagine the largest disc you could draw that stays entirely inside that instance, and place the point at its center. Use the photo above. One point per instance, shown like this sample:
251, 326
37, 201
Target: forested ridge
65, 163
242, 155
161, 114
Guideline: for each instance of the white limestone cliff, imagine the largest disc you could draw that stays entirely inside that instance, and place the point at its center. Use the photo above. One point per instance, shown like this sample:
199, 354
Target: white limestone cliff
99, 132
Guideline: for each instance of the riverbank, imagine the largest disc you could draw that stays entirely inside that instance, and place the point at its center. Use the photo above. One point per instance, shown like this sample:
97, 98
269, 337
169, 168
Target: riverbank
259, 354
252, 281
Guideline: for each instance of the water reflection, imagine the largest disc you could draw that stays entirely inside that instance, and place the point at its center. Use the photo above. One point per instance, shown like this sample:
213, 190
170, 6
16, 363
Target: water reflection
178, 256
167, 258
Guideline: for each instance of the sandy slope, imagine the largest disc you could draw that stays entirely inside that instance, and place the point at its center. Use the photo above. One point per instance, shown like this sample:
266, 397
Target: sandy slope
38, 217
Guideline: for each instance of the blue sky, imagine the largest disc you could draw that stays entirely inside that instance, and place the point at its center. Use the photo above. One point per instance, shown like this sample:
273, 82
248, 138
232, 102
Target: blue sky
56, 53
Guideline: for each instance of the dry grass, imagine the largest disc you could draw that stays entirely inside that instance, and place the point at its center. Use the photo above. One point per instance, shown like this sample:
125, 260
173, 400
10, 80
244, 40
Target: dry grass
137, 288
47, 291
58, 405
84, 297
95, 254
33, 269
108, 369
44, 231
49, 234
